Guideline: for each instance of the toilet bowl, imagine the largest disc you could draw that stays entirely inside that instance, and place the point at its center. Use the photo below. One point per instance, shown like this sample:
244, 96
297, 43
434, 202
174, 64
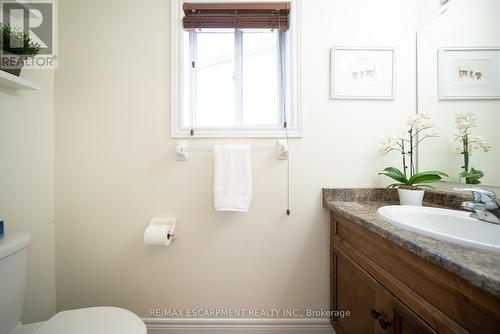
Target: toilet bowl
94, 320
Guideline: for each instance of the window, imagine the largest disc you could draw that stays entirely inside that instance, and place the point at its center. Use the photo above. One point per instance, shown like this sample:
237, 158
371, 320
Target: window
235, 80
231, 82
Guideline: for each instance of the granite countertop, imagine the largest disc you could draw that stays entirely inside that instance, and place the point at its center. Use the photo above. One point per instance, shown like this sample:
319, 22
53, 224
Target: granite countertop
480, 268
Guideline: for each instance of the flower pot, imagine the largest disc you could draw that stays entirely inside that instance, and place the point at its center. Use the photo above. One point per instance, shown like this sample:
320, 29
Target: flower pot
11, 63
411, 197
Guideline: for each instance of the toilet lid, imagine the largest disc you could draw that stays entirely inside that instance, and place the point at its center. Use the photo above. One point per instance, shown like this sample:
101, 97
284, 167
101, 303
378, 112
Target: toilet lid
95, 320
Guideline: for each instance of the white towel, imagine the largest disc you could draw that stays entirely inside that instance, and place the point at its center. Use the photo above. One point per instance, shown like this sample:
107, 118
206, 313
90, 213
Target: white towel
232, 177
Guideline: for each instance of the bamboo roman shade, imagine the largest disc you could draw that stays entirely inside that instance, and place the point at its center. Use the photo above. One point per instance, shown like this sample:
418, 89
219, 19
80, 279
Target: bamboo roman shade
252, 15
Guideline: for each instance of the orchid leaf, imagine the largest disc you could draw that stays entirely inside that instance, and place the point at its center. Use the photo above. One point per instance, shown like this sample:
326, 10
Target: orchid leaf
473, 176
426, 177
394, 174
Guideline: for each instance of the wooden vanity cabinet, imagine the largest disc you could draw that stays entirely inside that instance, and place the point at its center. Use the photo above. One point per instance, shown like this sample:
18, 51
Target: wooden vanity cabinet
417, 297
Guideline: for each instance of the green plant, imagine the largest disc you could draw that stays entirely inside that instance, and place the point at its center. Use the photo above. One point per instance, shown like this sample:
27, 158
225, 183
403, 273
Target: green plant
468, 143
16, 41
407, 145
415, 181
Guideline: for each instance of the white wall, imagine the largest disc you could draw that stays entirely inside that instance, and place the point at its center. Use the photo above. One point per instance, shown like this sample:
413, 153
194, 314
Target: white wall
428, 10
27, 183
115, 164
467, 23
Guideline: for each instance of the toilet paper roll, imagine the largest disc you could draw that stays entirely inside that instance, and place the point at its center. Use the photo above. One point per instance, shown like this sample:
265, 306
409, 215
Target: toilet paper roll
157, 235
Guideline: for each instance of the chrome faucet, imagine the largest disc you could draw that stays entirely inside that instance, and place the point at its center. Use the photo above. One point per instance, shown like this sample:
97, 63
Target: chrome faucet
484, 202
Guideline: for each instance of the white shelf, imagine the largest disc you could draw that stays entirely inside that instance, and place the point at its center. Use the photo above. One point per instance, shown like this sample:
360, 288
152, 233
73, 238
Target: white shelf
9, 80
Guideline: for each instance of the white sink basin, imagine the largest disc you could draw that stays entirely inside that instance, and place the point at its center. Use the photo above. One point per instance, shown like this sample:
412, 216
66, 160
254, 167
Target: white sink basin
442, 224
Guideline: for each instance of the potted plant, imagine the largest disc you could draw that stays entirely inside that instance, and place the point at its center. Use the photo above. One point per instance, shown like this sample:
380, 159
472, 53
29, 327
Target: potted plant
468, 143
15, 47
409, 183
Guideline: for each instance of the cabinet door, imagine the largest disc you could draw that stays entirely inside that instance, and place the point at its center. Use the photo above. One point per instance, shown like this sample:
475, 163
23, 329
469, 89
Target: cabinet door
373, 309
356, 292
406, 322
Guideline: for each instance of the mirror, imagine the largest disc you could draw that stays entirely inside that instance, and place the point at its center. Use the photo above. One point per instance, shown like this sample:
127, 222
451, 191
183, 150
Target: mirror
458, 85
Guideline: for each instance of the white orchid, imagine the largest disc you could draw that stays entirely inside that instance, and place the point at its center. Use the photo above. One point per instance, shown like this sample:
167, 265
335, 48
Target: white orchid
479, 143
419, 122
411, 137
406, 144
469, 143
465, 122
388, 145
459, 137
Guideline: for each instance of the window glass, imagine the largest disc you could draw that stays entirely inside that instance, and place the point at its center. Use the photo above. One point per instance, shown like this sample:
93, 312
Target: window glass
214, 99
260, 78
186, 115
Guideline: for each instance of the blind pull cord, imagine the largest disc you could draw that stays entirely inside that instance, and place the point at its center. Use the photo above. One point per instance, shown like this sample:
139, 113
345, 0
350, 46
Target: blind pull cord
281, 37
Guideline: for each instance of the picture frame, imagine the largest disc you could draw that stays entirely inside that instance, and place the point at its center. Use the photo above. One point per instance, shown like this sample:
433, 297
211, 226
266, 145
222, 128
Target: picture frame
469, 73
363, 73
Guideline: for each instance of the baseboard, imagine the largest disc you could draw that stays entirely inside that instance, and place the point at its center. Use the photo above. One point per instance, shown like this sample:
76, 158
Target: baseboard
238, 326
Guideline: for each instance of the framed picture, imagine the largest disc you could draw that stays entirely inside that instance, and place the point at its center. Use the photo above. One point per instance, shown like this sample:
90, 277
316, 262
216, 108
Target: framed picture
362, 73
469, 73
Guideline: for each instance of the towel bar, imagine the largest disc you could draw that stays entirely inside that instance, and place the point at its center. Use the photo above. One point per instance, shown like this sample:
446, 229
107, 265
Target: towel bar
182, 150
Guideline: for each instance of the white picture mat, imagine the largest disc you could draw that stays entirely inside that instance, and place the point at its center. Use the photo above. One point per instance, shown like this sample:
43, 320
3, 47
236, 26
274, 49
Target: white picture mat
362, 73
469, 73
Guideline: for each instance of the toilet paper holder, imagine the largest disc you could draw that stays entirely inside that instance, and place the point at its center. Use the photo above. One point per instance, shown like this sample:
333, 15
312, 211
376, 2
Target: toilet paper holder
171, 222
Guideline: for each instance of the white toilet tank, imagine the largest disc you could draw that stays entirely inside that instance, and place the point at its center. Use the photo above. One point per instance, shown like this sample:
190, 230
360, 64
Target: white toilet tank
13, 268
